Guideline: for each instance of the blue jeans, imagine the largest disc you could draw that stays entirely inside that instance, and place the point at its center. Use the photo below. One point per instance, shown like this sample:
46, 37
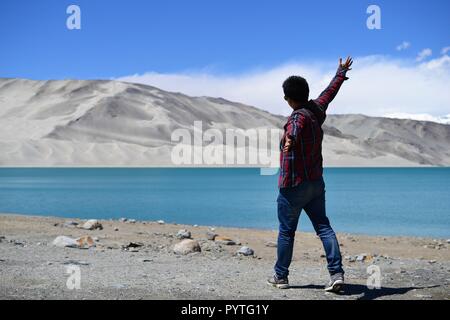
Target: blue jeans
310, 196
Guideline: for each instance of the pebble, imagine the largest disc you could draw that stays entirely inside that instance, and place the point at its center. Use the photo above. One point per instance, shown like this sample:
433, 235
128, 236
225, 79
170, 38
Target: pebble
92, 224
271, 244
133, 245
350, 258
187, 246
116, 229
78, 263
224, 240
63, 241
183, 234
423, 296
70, 224
211, 235
246, 251
361, 257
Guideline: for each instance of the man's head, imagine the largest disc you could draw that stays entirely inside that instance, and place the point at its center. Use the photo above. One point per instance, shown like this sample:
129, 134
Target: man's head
296, 91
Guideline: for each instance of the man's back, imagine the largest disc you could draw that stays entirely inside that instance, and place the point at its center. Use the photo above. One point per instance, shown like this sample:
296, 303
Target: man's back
304, 160
303, 132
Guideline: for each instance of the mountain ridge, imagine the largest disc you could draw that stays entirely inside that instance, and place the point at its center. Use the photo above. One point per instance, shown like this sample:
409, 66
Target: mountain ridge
113, 123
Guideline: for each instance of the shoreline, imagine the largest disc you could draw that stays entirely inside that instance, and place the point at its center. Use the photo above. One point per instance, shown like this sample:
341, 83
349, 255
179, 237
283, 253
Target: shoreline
32, 268
347, 233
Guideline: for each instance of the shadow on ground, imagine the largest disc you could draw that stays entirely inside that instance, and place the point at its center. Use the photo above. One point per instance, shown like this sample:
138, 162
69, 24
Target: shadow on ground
364, 293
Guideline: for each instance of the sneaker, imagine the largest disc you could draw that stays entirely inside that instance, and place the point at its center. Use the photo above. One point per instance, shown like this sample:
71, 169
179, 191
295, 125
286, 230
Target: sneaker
278, 283
336, 283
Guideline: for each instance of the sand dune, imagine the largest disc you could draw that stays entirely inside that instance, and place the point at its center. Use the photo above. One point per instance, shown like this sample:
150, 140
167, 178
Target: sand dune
111, 123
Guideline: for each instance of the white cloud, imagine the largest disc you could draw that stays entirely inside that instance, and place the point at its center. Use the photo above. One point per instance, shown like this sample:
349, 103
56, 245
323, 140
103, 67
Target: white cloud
378, 85
403, 46
420, 117
445, 50
425, 53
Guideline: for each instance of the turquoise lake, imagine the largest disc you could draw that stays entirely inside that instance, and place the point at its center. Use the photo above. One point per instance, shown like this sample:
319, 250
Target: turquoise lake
376, 201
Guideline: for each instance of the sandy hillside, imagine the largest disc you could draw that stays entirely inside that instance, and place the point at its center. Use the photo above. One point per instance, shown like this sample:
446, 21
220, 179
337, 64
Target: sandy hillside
110, 123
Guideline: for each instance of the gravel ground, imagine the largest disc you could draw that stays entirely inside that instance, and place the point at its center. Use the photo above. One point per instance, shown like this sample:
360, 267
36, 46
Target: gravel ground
32, 268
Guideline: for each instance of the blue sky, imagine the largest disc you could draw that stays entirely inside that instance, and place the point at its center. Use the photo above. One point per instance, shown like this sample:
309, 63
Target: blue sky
241, 50
120, 38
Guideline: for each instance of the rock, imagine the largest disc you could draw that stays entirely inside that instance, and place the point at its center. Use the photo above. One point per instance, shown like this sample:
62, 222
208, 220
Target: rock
123, 219
74, 262
132, 221
246, 251
92, 225
195, 225
423, 296
224, 240
133, 245
146, 260
211, 235
271, 244
160, 222
432, 261
18, 243
85, 241
350, 258
116, 229
448, 240
63, 241
70, 224
183, 234
361, 257
187, 246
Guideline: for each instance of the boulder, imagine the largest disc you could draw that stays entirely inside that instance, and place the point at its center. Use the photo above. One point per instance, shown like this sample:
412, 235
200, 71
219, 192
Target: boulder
183, 234
63, 241
92, 225
187, 246
246, 251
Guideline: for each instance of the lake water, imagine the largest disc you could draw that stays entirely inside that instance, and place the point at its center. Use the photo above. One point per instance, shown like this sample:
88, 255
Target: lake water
377, 201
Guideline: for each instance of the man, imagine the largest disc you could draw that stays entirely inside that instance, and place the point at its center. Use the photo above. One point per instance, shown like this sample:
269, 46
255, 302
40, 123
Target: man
300, 182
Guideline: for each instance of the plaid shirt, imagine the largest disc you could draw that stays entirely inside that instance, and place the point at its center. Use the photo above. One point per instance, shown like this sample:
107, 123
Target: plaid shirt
304, 126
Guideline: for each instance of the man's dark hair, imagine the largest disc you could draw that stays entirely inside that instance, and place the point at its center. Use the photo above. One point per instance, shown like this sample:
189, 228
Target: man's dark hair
296, 88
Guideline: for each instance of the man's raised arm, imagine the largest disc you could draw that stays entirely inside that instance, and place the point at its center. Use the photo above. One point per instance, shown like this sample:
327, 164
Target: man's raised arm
330, 92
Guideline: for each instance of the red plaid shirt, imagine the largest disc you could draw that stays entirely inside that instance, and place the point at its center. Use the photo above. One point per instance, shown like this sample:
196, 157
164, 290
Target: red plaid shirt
304, 126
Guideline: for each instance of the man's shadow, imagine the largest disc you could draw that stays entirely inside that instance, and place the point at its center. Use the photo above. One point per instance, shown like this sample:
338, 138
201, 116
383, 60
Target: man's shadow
364, 291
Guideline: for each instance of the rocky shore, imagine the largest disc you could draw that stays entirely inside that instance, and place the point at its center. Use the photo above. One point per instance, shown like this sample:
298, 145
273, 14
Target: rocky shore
129, 259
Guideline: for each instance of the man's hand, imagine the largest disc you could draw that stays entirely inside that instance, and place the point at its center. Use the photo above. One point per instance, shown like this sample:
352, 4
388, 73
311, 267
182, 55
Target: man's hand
347, 64
287, 144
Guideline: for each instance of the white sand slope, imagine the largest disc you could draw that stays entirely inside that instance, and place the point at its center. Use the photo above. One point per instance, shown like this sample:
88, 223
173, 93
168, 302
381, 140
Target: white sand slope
110, 123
